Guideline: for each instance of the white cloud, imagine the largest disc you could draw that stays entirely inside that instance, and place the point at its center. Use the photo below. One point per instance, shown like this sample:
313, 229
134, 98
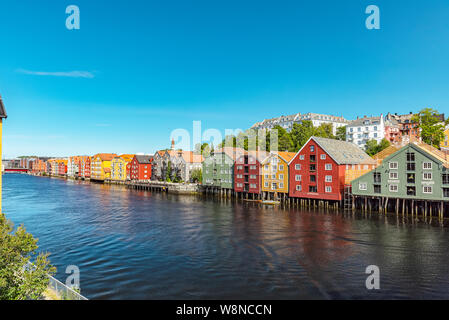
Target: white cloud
68, 74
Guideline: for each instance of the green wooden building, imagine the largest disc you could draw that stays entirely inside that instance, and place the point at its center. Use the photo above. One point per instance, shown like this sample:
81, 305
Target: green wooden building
417, 173
218, 168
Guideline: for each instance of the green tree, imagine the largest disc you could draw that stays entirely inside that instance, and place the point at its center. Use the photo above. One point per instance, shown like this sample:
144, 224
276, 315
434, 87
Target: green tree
432, 131
168, 172
324, 130
17, 249
300, 133
372, 147
341, 133
197, 176
284, 140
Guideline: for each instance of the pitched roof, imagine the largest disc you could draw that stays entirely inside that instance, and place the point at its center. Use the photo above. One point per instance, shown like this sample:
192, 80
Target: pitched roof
361, 121
287, 156
343, 152
2, 109
143, 159
105, 156
440, 155
127, 157
379, 157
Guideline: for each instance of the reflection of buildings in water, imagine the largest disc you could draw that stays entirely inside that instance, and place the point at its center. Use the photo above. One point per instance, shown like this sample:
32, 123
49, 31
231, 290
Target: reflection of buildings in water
320, 239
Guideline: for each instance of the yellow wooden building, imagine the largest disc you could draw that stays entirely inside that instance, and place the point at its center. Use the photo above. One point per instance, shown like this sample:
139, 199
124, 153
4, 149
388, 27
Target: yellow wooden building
101, 166
445, 143
118, 167
275, 174
2, 116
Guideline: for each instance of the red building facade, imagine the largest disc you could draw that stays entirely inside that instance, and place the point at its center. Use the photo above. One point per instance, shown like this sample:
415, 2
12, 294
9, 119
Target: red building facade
140, 167
247, 172
318, 169
84, 167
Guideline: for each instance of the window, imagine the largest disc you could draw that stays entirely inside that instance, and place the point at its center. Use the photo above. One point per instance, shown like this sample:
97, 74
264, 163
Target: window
445, 178
363, 186
297, 167
393, 188
267, 167
301, 157
411, 191
273, 186
377, 189
298, 177
427, 165
312, 167
328, 166
281, 177
377, 177
298, 188
312, 178
393, 165
312, 158
427, 189
328, 178
328, 189
410, 178
323, 157
446, 192
393, 175
410, 157
281, 185
312, 189
312, 148
427, 176
281, 167
411, 166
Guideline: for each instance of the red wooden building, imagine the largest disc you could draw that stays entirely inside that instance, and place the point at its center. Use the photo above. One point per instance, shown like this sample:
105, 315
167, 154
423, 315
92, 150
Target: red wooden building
247, 172
318, 170
140, 167
84, 167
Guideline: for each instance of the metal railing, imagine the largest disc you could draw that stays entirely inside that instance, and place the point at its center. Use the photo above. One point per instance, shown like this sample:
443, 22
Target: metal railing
63, 291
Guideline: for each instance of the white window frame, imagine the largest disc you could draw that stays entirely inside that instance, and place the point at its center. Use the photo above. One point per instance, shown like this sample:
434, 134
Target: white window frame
323, 157
393, 185
297, 167
328, 166
393, 178
328, 178
298, 177
425, 176
427, 163
363, 186
328, 189
393, 165
426, 192
298, 187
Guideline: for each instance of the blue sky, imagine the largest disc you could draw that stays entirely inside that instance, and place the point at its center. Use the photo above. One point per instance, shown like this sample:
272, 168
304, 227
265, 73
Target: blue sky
146, 68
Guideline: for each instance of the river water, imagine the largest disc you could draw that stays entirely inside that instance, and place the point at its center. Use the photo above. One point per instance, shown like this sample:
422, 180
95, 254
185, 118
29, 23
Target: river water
140, 245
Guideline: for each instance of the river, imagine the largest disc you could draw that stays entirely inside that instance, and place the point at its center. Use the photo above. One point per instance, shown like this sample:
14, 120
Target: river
141, 245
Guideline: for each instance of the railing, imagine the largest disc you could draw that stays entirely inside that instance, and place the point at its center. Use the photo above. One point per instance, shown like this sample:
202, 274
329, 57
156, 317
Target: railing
62, 291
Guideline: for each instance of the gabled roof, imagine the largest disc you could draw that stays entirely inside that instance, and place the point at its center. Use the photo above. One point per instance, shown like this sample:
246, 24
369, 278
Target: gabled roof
379, 157
2, 109
286, 156
342, 152
361, 121
105, 156
143, 159
126, 157
439, 155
